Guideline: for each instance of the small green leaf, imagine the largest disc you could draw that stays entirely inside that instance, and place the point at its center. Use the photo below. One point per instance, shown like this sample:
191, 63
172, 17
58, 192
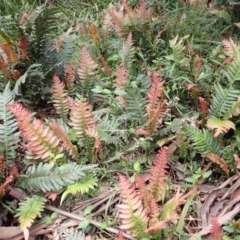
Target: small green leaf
120, 92
84, 224
137, 167
207, 174
88, 209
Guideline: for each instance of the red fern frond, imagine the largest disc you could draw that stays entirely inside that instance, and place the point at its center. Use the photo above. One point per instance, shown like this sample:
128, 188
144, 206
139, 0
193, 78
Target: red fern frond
5, 184
154, 211
2, 164
4, 70
155, 107
118, 22
13, 170
216, 229
87, 66
59, 94
81, 117
93, 31
120, 81
159, 174
106, 67
23, 45
122, 77
143, 192
11, 53
194, 90
64, 138
69, 76
42, 142
230, 48
131, 211
203, 107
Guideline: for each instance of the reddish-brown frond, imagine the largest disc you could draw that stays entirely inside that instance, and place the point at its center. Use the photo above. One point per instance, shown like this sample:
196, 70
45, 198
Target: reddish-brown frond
65, 139
194, 90
154, 211
69, 76
87, 66
203, 107
143, 192
156, 106
159, 174
120, 236
41, 141
4, 185
13, 171
4, 70
81, 117
2, 164
106, 67
230, 47
23, 45
118, 22
93, 31
120, 81
216, 229
131, 212
11, 53
59, 94
21, 113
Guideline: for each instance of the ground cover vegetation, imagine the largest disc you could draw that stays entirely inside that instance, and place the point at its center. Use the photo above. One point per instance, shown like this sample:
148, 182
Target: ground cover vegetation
119, 119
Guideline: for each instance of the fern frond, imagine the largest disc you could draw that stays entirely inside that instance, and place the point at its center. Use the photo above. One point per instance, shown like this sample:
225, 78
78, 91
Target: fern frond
107, 69
86, 70
159, 174
234, 110
69, 76
127, 52
71, 234
23, 45
120, 81
154, 212
29, 209
203, 107
135, 104
143, 192
65, 139
4, 70
230, 48
223, 100
45, 177
132, 214
80, 187
155, 107
216, 229
202, 141
9, 134
81, 118
10, 52
59, 96
219, 126
232, 70
41, 140
218, 160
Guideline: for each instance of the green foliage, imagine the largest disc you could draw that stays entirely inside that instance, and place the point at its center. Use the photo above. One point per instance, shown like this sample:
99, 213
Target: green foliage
80, 187
30, 209
46, 177
202, 140
71, 233
9, 134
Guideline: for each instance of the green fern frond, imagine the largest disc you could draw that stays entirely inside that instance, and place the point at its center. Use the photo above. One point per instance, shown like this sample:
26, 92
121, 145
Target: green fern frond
46, 177
135, 104
80, 187
34, 71
71, 234
30, 209
223, 100
127, 52
202, 141
232, 70
234, 110
9, 134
